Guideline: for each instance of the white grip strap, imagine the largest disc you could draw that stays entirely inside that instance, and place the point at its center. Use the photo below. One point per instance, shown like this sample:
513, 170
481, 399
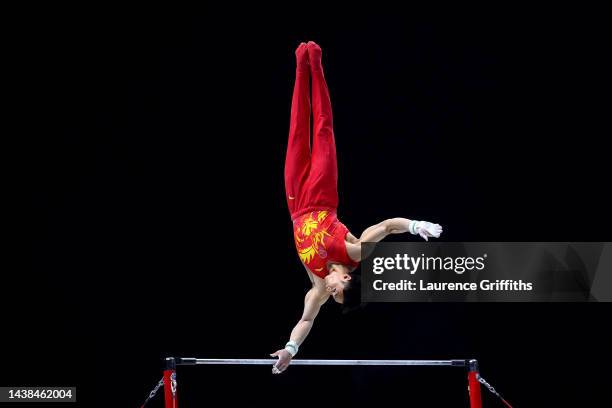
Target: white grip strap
292, 348
412, 227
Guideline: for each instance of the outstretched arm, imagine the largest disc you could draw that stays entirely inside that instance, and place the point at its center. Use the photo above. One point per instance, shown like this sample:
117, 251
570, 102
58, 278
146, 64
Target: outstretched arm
313, 301
379, 231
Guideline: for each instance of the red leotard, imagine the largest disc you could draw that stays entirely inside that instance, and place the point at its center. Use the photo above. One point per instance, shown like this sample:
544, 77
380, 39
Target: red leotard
319, 239
311, 177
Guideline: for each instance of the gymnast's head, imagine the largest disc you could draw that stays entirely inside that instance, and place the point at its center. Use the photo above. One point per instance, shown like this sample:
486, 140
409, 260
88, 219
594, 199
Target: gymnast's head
343, 285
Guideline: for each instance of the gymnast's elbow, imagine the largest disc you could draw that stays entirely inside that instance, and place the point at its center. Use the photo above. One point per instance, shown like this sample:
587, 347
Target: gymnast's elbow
389, 226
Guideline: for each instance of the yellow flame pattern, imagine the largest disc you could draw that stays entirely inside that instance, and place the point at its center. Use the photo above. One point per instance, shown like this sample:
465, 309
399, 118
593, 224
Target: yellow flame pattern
309, 230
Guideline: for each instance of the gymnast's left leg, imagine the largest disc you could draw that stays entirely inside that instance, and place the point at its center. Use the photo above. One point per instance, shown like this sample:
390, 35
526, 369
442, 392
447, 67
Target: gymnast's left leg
297, 160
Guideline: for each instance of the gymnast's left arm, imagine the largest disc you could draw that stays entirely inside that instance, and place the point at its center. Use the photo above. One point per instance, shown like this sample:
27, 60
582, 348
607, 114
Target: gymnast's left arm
313, 301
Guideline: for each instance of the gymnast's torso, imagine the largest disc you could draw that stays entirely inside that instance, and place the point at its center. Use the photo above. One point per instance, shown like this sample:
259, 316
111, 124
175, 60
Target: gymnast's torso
320, 239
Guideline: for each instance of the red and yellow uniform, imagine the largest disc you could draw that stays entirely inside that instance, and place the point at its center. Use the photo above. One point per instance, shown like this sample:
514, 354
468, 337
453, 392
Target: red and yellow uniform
319, 239
311, 175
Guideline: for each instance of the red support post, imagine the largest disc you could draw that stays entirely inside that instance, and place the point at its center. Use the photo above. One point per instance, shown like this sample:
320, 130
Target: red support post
474, 385
170, 395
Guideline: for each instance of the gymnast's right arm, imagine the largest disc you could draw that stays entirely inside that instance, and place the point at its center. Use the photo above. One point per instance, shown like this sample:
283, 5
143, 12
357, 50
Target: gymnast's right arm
313, 301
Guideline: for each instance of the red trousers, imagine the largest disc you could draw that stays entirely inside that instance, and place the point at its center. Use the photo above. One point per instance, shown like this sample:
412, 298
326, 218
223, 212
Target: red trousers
311, 175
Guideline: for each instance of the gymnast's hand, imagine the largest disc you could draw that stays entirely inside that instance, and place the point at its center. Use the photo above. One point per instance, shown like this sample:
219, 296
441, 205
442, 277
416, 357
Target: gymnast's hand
426, 229
284, 358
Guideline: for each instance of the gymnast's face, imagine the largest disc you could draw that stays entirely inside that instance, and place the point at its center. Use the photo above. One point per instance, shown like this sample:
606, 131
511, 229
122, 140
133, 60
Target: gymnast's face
335, 281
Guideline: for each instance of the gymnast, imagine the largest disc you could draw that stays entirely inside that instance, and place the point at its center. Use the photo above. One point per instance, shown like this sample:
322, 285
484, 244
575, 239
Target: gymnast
325, 246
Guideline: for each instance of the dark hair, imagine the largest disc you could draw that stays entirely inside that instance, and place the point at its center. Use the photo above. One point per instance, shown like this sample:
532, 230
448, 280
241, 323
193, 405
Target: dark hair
352, 294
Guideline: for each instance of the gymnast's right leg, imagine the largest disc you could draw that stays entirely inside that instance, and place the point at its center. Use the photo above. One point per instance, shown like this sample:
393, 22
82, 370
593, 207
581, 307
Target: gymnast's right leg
323, 177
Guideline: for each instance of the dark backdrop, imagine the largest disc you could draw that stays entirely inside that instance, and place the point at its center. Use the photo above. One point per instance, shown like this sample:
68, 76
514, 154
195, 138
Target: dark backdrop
158, 226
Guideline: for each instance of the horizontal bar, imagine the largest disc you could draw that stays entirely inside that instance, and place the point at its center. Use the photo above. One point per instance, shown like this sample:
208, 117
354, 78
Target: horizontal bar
251, 361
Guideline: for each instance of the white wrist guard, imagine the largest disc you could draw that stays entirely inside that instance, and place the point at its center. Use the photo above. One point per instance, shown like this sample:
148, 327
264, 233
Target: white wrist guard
292, 348
412, 227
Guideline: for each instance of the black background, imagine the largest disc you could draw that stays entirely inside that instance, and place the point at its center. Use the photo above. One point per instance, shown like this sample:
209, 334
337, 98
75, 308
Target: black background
156, 221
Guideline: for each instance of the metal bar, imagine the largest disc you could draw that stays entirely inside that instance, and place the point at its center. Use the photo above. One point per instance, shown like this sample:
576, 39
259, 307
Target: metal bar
249, 361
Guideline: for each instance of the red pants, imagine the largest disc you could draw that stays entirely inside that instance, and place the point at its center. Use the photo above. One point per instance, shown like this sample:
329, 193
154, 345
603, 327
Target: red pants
311, 176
